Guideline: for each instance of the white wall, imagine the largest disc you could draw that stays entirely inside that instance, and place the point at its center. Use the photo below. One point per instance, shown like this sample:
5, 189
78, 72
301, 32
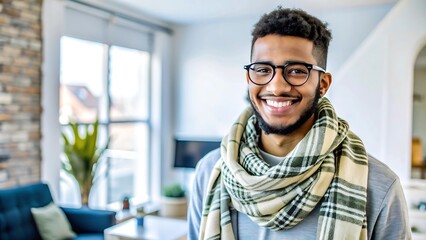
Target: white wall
349, 28
53, 12
373, 90
210, 79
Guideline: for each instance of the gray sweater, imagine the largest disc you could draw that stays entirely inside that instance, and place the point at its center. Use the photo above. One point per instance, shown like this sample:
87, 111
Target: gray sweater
386, 208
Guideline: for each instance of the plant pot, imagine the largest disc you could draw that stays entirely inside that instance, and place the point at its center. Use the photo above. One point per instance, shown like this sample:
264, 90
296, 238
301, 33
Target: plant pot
173, 207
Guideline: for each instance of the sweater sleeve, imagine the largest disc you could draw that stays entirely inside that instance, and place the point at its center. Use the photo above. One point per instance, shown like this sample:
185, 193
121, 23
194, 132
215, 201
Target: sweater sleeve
202, 176
392, 221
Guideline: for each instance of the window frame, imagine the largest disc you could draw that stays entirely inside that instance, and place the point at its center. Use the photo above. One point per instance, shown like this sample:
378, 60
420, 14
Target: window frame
162, 105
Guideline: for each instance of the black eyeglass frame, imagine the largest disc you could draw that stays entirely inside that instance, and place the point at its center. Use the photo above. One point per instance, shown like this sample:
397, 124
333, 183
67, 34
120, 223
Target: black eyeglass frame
283, 67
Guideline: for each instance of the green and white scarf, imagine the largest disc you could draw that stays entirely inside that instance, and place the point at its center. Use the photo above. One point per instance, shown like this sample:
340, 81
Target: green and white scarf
328, 166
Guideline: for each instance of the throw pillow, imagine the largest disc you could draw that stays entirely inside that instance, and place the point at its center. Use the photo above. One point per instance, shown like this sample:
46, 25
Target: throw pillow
52, 223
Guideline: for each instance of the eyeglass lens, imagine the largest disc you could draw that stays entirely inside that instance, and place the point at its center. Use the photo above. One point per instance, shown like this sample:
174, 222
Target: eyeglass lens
294, 74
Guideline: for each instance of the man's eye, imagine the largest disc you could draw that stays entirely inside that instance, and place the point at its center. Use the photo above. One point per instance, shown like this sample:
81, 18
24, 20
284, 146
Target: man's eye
263, 70
297, 71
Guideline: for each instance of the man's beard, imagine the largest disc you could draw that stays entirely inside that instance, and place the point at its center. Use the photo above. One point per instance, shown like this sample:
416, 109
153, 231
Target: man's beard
285, 130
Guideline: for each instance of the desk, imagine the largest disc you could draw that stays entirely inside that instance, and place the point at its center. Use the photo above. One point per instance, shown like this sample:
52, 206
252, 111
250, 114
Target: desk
154, 228
123, 215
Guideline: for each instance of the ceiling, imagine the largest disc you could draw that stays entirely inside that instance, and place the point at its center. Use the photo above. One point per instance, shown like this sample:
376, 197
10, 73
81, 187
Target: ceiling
196, 11
193, 11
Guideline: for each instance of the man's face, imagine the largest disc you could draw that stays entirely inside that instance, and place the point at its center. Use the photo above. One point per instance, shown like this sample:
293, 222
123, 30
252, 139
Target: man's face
280, 107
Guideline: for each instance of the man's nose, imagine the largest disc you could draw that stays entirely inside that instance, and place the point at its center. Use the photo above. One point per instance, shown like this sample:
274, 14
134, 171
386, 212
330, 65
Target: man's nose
278, 83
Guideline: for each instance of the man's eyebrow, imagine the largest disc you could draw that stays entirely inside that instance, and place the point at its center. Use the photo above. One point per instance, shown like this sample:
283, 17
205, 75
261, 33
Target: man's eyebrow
267, 62
284, 63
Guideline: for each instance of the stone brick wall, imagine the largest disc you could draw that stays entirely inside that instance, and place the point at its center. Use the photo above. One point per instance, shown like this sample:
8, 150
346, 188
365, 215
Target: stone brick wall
20, 84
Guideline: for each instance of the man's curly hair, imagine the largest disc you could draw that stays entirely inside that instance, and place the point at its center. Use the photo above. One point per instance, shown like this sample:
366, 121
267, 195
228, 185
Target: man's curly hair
295, 22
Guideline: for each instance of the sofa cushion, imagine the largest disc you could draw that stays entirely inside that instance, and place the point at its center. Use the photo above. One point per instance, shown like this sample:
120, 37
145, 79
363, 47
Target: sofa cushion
87, 220
52, 223
90, 236
16, 220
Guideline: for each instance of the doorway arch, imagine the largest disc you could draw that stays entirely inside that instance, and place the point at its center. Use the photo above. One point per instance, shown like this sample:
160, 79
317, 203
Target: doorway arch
418, 147
373, 90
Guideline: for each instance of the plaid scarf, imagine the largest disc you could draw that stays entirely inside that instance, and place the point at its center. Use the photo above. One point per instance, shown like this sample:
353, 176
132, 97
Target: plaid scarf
328, 167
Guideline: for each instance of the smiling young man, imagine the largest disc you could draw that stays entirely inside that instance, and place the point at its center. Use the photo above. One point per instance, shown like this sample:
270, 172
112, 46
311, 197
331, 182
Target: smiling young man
290, 168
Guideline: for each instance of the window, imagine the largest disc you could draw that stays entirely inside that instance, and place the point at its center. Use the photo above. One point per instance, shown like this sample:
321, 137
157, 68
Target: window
112, 83
106, 29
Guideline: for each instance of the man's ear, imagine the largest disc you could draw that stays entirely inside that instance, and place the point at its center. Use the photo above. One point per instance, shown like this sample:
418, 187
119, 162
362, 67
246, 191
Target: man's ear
325, 83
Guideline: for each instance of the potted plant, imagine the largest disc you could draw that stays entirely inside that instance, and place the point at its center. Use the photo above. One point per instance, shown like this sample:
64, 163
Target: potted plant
82, 155
174, 202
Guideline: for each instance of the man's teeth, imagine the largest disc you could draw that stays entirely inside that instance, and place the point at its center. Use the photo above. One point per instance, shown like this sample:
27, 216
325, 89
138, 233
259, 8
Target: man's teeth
278, 104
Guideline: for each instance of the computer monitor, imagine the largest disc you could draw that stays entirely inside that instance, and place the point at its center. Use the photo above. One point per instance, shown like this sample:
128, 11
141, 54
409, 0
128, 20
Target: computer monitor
189, 151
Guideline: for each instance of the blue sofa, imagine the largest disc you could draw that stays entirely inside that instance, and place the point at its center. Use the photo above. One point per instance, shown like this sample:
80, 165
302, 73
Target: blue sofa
17, 223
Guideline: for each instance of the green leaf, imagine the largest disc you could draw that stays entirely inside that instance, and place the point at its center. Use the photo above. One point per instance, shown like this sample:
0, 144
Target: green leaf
82, 153
173, 190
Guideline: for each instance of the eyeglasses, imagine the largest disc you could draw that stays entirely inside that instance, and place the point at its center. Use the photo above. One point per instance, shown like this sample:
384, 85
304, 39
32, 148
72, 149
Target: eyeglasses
294, 73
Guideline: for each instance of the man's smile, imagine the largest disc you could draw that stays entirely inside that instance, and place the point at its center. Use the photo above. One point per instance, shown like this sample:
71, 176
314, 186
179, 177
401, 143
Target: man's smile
278, 104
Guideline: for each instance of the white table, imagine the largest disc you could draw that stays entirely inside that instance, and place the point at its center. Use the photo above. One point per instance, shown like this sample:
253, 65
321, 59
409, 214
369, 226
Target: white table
154, 228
